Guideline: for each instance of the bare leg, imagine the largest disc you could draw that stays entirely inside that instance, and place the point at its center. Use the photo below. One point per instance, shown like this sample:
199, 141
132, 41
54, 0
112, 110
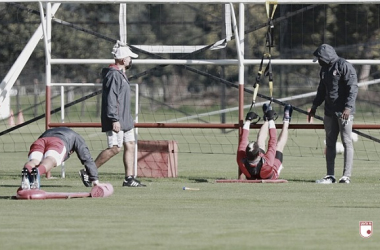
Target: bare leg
46, 164
283, 137
32, 163
129, 158
105, 155
49, 163
263, 135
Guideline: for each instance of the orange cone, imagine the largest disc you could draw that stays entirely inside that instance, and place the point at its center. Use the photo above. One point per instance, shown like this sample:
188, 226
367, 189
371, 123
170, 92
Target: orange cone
20, 118
11, 119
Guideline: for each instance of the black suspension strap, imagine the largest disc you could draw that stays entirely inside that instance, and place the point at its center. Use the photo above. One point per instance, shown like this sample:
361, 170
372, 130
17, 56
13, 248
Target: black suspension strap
236, 86
271, 7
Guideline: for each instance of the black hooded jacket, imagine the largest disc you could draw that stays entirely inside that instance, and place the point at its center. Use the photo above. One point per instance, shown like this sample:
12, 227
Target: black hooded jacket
116, 100
338, 86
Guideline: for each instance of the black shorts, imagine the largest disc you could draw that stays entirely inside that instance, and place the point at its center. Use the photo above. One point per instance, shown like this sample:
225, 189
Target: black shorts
279, 156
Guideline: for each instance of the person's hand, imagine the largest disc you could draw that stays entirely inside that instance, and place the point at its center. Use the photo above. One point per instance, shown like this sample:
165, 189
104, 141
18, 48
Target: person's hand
116, 126
311, 114
251, 116
95, 183
346, 114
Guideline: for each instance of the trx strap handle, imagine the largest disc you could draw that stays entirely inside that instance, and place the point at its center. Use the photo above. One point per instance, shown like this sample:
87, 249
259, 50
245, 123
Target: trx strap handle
257, 82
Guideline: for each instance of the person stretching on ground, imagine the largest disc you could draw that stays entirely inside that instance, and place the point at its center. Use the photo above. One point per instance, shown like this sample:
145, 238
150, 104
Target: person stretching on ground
51, 149
254, 163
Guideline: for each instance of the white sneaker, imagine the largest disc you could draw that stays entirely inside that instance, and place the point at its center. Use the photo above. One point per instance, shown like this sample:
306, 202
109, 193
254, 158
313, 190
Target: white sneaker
25, 183
328, 179
35, 179
345, 179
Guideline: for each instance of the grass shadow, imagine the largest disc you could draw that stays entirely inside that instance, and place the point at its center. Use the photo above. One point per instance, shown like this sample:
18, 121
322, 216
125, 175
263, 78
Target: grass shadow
13, 197
198, 180
301, 180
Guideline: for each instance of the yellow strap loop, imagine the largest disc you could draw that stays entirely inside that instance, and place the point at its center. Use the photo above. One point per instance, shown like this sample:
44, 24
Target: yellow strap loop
255, 93
267, 6
271, 89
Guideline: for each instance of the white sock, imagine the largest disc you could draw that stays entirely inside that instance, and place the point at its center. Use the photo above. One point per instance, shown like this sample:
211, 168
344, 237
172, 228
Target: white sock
272, 124
246, 125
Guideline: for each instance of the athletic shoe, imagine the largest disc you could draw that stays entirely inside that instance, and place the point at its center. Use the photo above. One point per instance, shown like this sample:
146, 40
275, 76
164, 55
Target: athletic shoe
25, 183
345, 179
251, 116
266, 108
328, 179
35, 179
288, 110
269, 113
132, 182
85, 178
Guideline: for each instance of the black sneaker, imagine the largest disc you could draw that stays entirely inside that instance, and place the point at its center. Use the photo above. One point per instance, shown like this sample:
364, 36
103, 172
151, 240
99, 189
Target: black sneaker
266, 108
25, 183
34, 179
328, 179
132, 182
288, 110
269, 113
85, 178
252, 117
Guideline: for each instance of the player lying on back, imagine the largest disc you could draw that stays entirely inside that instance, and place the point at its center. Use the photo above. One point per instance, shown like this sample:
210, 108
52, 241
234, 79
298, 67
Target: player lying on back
254, 162
51, 149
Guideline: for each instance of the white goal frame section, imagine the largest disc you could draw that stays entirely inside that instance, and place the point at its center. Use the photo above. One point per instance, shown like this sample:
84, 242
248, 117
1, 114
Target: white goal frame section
45, 31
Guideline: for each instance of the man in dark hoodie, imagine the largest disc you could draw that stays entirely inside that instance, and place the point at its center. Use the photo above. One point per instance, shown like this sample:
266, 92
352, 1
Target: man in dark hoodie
51, 149
116, 118
338, 89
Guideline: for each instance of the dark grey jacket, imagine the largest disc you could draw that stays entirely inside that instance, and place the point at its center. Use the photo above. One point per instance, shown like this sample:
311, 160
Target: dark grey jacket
74, 143
338, 86
116, 100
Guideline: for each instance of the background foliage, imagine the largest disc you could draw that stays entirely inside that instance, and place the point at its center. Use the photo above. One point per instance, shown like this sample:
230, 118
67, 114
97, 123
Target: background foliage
173, 93
352, 29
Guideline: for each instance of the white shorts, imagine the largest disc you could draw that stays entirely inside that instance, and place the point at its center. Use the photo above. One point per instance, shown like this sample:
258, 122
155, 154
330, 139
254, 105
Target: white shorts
58, 157
117, 139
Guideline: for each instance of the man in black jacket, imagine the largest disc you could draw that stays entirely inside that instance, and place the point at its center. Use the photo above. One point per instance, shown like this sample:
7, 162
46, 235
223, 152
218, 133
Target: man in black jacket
338, 89
51, 149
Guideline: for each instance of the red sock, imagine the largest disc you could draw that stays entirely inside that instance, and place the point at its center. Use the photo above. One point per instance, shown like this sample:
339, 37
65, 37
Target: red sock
41, 169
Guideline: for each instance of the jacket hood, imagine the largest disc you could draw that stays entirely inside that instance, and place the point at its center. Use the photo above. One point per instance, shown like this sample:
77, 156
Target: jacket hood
106, 70
326, 53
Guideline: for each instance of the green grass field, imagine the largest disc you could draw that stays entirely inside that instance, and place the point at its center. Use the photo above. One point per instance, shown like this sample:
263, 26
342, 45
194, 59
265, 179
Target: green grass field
295, 215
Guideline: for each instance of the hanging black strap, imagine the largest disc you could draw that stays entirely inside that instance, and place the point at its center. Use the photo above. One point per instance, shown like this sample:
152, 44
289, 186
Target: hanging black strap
269, 42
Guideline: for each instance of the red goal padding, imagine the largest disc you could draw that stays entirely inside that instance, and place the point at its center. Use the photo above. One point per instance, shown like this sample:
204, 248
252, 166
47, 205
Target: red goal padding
157, 159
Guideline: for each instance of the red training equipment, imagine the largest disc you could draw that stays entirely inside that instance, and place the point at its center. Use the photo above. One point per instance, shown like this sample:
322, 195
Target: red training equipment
102, 190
